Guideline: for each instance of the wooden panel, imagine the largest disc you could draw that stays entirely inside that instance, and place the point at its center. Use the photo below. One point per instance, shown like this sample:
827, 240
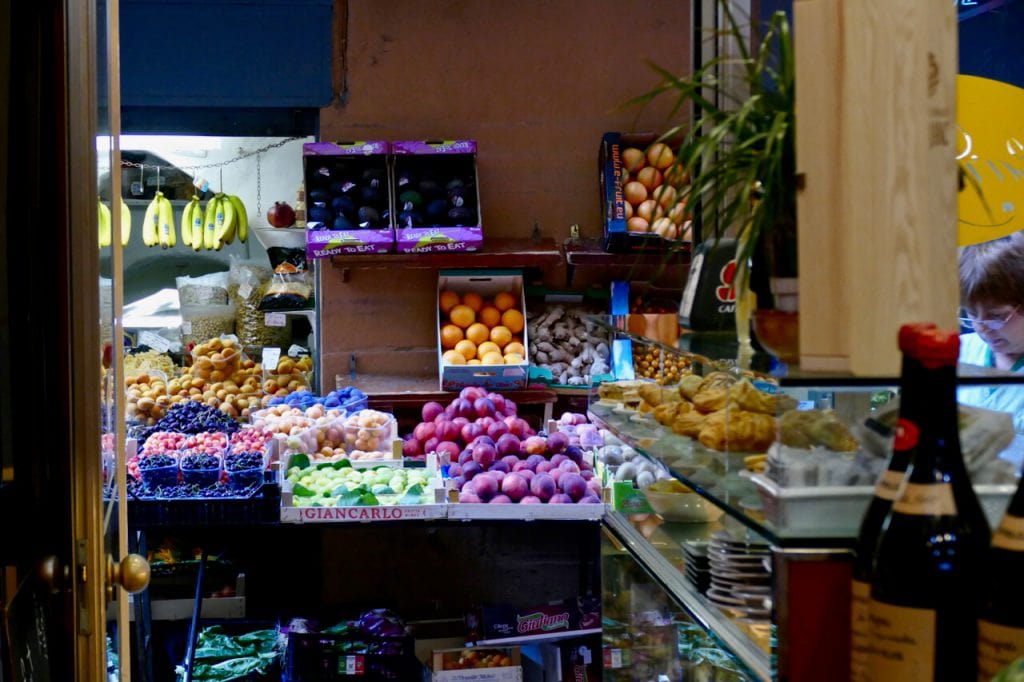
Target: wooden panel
893, 179
823, 305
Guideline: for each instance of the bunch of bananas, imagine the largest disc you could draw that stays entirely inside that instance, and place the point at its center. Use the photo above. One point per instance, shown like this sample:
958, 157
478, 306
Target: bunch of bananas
158, 225
223, 218
106, 226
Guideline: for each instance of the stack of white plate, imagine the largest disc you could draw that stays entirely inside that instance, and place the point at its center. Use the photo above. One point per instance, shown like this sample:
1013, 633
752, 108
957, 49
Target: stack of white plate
741, 579
698, 566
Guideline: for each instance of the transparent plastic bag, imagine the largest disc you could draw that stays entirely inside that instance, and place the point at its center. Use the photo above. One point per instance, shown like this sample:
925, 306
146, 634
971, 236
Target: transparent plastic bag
202, 322
246, 288
211, 289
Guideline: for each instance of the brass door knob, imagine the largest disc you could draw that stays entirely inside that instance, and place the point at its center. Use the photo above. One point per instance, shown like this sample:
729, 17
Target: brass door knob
52, 575
132, 574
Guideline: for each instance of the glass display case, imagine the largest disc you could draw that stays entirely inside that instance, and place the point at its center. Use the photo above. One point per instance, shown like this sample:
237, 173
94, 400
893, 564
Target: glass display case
760, 480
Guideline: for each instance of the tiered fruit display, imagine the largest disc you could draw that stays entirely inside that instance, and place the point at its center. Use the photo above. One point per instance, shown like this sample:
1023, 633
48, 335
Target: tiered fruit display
475, 412
340, 484
220, 377
652, 184
478, 331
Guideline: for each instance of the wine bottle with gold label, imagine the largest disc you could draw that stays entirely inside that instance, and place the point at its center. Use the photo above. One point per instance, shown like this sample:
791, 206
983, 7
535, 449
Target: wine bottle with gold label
1001, 623
888, 485
929, 560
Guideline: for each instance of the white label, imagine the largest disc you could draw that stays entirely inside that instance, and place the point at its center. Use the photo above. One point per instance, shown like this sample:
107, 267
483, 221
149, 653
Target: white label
186, 327
616, 658
244, 290
926, 499
902, 643
860, 639
155, 341
998, 647
274, 319
686, 307
888, 485
1010, 534
271, 355
297, 351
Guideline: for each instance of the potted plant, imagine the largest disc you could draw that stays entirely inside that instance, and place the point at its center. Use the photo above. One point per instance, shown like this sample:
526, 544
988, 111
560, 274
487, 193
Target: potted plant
737, 158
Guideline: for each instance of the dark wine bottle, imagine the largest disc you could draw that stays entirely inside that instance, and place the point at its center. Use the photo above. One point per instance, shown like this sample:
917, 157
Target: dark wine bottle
928, 565
888, 485
1001, 623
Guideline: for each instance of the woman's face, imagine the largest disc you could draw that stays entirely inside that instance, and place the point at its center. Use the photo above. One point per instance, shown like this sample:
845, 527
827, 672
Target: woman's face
1001, 326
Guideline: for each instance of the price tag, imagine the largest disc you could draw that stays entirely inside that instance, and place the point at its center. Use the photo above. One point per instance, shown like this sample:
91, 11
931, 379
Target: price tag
155, 341
613, 658
351, 665
274, 319
297, 351
270, 357
244, 290
186, 327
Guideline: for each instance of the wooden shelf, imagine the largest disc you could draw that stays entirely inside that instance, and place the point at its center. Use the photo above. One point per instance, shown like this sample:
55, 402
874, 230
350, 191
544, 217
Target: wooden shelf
588, 253
496, 253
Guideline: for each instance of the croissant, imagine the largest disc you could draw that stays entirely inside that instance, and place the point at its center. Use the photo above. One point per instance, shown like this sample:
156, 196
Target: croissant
651, 394
689, 385
738, 431
711, 399
807, 428
688, 423
716, 380
666, 413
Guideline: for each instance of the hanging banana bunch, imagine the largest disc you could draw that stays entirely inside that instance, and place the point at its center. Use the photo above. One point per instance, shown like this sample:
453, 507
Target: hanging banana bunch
206, 238
191, 219
104, 224
151, 222
241, 217
107, 227
168, 233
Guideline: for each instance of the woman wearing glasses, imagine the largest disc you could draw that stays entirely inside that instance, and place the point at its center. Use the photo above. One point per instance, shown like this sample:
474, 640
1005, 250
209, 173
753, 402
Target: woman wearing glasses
992, 296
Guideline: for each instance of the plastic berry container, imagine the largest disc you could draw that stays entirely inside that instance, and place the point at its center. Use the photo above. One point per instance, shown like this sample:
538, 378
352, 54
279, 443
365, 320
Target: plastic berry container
245, 469
199, 468
158, 471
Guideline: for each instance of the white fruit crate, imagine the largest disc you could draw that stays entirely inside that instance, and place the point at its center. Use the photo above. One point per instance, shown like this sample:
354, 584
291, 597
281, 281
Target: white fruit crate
526, 512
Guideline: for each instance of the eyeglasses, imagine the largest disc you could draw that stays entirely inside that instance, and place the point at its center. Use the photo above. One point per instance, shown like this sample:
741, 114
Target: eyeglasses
992, 324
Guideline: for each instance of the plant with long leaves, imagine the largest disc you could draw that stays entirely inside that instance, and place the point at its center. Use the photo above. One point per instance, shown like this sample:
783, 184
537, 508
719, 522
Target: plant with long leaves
738, 156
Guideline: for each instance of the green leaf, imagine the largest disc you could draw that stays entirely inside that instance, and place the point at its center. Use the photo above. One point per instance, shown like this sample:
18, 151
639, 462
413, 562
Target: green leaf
325, 465
416, 489
411, 498
300, 490
382, 489
340, 490
368, 500
299, 460
342, 464
350, 498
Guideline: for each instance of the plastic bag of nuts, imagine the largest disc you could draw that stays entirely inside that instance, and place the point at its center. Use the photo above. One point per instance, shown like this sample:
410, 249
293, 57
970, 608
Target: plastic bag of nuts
202, 322
246, 289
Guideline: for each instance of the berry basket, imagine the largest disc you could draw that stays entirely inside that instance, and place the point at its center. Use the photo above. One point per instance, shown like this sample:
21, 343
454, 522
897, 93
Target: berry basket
319, 657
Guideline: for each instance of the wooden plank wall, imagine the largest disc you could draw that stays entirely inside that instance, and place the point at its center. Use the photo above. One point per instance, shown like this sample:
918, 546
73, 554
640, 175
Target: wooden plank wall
876, 140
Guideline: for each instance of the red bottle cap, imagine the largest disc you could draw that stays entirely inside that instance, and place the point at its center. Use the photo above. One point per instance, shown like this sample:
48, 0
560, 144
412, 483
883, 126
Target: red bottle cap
909, 331
937, 347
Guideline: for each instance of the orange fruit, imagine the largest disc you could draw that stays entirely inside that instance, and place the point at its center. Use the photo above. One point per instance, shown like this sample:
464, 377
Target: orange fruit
450, 335
448, 300
453, 357
515, 347
462, 315
492, 358
487, 347
490, 316
504, 301
478, 332
513, 358
467, 348
513, 319
501, 336
473, 300
516, 338
474, 361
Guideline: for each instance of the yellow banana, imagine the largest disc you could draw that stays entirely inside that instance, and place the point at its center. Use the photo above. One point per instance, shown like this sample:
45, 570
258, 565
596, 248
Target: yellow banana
225, 233
150, 233
241, 216
199, 226
167, 232
187, 219
104, 224
210, 222
126, 223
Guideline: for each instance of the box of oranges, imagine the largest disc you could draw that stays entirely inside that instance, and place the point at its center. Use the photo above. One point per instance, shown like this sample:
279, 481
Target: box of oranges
477, 664
481, 330
643, 194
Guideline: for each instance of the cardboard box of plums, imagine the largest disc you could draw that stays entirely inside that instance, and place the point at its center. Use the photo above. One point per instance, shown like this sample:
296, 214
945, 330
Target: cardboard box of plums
436, 196
348, 198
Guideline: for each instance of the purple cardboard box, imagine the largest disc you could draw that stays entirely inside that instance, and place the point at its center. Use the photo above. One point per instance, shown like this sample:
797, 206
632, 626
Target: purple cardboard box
348, 198
436, 196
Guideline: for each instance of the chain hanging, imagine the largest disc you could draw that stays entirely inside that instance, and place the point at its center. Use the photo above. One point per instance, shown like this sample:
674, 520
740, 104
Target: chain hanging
220, 164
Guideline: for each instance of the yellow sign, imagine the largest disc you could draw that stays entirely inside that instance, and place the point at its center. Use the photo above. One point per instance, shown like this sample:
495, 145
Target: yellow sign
990, 150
